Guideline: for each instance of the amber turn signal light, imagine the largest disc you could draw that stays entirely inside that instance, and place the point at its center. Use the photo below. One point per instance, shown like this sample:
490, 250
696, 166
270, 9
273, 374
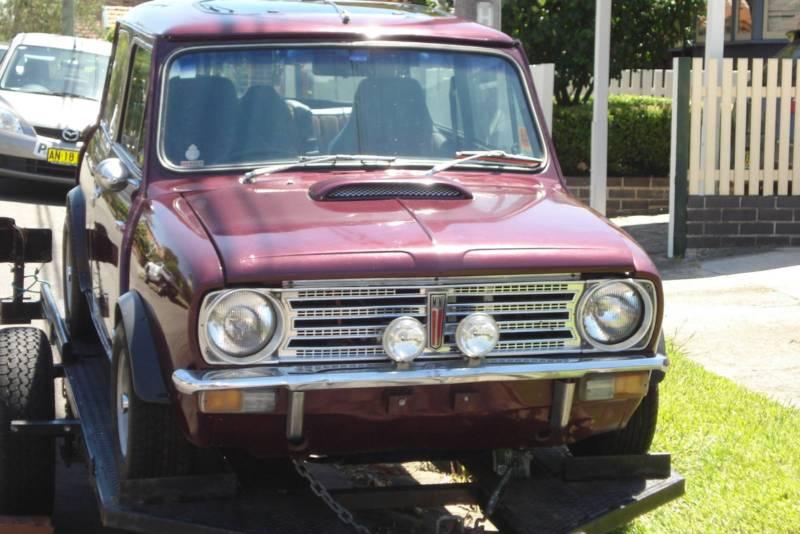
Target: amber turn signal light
237, 401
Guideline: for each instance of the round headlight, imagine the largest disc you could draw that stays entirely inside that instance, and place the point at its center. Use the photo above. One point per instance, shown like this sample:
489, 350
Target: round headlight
477, 335
404, 339
241, 323
612, 315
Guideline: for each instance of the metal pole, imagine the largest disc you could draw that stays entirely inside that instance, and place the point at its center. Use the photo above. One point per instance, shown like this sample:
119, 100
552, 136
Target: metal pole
715, 29
599, 163
68, 17
679, 157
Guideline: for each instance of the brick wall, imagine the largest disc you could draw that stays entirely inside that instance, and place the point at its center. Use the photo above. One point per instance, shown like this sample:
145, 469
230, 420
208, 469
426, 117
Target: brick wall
733, 221
628, 196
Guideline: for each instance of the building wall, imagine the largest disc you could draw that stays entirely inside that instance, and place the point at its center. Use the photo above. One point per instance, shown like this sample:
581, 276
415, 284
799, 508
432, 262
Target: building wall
742, 221
629, 195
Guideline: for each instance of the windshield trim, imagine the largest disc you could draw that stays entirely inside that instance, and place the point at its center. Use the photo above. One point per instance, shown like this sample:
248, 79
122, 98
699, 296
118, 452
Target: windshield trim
413, 45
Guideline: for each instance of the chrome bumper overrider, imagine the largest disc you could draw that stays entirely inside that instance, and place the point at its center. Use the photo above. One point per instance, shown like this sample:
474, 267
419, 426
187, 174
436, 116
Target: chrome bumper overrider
419, 374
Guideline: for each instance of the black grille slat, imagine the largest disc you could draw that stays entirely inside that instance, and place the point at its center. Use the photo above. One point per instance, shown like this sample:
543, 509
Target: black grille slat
382, 191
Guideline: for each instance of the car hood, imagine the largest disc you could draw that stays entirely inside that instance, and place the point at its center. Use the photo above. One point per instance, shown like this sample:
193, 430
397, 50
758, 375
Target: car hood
50, 111
274, 230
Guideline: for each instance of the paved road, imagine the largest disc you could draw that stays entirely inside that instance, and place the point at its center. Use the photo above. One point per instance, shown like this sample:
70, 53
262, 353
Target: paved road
736, 314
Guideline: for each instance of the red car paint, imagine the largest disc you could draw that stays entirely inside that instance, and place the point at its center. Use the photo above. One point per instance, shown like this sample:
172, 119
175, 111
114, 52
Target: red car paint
212, 232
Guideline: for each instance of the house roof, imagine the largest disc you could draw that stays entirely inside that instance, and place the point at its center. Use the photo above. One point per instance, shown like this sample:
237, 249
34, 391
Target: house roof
221, 19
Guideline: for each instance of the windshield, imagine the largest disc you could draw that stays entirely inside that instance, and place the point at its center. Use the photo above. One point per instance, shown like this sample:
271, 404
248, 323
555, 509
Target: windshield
255, 106
55, 71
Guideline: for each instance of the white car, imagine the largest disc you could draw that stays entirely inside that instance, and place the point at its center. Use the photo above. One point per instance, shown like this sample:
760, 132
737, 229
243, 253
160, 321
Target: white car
50, 89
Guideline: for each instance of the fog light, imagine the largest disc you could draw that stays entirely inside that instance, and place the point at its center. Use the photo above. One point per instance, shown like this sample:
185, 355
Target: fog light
477, 335
404, 339
238, 401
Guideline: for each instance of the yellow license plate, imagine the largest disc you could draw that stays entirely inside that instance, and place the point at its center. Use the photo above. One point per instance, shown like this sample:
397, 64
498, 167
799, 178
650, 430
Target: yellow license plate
59, 156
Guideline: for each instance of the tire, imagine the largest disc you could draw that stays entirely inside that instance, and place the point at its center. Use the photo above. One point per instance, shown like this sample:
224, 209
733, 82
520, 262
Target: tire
27, 463
635, 438
148, 442
76, 309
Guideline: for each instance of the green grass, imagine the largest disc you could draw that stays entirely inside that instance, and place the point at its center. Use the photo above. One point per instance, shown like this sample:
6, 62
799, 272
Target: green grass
739, 452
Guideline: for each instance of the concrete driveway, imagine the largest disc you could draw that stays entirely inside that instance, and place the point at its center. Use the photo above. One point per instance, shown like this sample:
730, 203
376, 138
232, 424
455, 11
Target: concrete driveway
738, 315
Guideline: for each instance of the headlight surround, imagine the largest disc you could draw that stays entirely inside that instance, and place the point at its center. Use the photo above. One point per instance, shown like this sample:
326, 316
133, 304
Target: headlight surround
9, 121
615, 314
240, 326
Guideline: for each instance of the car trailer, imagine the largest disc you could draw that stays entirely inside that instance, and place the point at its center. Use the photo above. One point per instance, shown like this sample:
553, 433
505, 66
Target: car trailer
541, 490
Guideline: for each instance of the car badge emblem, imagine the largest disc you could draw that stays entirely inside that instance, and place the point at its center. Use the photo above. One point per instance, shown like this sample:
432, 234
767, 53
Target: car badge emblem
437, 310
69, 135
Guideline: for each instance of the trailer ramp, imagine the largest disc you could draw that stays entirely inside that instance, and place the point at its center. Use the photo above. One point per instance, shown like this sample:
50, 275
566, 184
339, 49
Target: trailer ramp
543, 503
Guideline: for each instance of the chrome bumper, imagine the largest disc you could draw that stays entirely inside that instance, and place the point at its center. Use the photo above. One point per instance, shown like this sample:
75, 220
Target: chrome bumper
420, 374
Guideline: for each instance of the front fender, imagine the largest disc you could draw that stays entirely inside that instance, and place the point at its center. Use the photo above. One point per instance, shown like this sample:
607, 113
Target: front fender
148, 381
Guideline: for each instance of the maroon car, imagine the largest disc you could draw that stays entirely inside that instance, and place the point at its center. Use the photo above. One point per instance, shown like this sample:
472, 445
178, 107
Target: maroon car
307, 228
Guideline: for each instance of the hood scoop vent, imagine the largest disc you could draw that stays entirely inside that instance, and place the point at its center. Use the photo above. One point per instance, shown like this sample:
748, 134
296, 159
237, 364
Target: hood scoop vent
383, 190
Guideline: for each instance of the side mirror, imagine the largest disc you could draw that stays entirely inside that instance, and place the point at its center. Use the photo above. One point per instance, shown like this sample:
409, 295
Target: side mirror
112, 175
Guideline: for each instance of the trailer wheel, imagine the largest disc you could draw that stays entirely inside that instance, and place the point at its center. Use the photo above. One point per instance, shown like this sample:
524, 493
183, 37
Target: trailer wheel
76, 309
27, 463
148, 442
635, 438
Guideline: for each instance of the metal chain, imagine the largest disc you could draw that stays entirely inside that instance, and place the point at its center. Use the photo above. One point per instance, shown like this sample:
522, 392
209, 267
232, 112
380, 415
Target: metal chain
344, 515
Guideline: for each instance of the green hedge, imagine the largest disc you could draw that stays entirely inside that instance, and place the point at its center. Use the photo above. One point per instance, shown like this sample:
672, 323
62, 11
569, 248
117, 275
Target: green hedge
638, 136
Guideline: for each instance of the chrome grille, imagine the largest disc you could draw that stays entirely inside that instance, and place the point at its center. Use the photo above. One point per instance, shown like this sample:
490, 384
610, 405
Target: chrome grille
345, 322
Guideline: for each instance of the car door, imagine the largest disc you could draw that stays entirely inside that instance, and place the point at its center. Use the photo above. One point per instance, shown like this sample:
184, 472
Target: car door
116, 158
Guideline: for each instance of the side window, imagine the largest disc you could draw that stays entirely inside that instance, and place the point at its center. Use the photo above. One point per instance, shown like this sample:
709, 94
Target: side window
119, 71
132, 138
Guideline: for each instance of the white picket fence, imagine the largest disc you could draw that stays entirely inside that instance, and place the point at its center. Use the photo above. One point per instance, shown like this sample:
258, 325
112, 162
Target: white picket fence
652, 82
649, 82
743, 131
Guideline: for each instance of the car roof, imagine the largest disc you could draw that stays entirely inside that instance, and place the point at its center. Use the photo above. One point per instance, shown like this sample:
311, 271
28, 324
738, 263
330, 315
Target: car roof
94, 46
231, 19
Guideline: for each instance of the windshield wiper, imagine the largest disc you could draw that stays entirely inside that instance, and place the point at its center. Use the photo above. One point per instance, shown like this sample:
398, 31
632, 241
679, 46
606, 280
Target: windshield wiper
304, 161
497, 156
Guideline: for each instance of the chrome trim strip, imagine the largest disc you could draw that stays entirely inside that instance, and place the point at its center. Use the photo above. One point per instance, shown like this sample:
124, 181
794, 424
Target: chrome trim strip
424, 281
167, 63
424, 374
295, 415
561, 406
